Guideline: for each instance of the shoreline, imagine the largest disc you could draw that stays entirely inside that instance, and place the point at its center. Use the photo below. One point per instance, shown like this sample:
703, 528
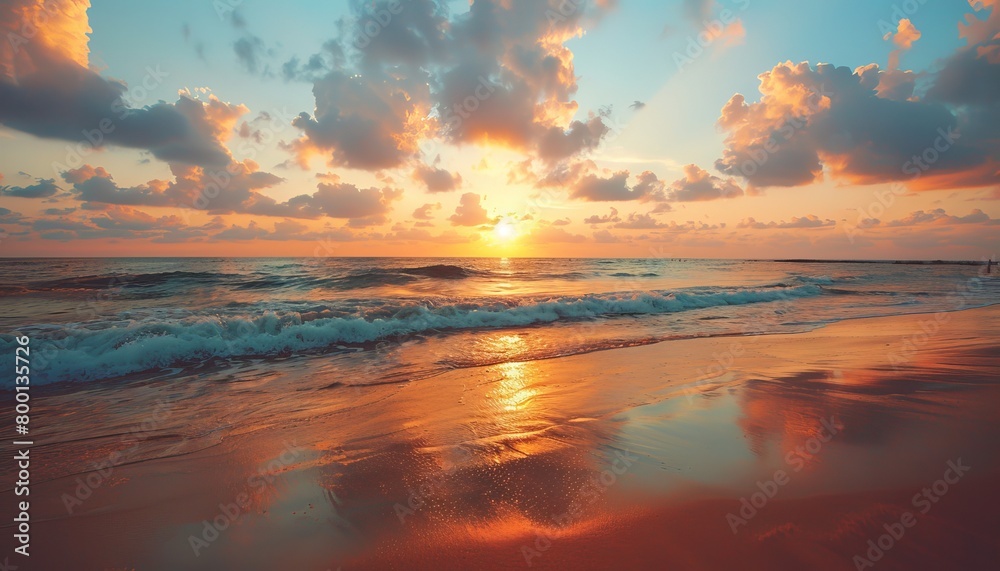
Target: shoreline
483, 460
66, 387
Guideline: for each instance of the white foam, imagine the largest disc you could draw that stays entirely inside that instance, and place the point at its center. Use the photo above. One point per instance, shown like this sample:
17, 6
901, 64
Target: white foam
85, 353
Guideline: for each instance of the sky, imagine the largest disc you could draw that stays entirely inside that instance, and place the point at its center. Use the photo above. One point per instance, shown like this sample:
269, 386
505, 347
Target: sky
857, 129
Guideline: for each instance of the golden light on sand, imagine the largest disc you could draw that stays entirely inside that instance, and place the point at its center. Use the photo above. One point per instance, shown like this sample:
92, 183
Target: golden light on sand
513, 393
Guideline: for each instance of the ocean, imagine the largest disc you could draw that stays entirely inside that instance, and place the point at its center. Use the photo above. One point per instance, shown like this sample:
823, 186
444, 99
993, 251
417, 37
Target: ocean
387, 320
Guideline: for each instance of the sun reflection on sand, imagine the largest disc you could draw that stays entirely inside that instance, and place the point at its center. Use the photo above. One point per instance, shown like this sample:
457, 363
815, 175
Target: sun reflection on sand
513, 391
513, 404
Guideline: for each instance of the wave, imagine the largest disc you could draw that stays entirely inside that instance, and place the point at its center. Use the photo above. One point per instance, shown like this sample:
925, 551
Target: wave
819, 280
259, 281
402, 276
628, 275
162, 284
540, 276
111, 282
93, 351
442, 271
877, 293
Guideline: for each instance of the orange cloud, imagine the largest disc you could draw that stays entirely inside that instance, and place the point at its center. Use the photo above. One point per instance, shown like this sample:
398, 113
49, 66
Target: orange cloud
52, 29
502, 76
976, 30
906, 34
863, 126
45, 73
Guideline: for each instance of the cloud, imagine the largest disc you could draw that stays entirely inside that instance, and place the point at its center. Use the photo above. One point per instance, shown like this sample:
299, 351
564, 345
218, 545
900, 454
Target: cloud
112, 221
314, 68
519, 49
497, 74
662, 207
981, 33
606, 219
606, 237
231, 190
671, 228
926, 230
906, 34
129, 220
638, 221
284, 231
732, 34
938, 217
594, 188
807, 221
84, 173
234, 232
698, 10
824, 116
470, 212
552, 235
361, 124
59, 211
421, 235
96, 185
236, 191
47, 89
436, 179
890, 83
564, 174
249, 51
44, 188
424, 212
698, 185
348, 201
8, 216
724, 26
556, 144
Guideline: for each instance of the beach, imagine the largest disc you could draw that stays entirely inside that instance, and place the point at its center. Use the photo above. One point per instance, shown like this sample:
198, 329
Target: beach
499, 284
778, 451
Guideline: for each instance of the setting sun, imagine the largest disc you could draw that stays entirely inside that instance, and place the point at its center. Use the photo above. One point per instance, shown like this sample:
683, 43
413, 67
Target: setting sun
500, 284
505, 230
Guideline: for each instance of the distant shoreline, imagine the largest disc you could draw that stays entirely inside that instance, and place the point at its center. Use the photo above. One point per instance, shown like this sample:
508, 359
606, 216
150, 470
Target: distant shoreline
903, 262
670, 259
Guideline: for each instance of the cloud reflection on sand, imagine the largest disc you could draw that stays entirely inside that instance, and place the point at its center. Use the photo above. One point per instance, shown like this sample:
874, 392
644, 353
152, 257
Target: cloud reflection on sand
509, 447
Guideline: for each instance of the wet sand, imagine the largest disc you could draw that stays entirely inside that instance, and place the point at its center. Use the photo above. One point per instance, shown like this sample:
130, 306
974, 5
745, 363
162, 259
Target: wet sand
630, 458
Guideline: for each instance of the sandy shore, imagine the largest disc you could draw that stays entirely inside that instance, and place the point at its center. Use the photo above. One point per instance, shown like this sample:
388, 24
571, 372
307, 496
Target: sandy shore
771, 452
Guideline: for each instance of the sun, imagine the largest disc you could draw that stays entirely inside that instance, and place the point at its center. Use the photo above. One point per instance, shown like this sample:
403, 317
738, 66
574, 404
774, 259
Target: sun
505, 231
